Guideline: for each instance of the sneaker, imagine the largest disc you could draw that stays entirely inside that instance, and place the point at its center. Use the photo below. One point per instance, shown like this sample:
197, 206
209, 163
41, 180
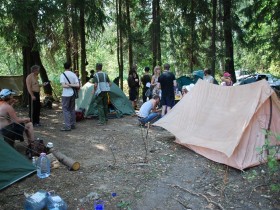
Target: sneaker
65, 129
73, 127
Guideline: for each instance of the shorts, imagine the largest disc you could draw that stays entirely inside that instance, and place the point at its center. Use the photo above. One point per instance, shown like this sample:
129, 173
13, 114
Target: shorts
133, 94
13, 132
167, 101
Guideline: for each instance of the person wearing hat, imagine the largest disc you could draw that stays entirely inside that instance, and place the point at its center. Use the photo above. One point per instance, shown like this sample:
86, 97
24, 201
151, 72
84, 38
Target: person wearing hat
12, 126
226, 79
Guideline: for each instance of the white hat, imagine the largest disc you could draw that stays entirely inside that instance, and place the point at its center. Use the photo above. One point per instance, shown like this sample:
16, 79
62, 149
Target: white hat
189, 87
6, 92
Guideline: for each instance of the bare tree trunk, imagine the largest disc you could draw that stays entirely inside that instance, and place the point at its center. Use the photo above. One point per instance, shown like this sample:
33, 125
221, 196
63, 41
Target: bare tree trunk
192, 36
128, 26
75, 25
67, 35
83, 41
120, 40
213, 45
221, 37
31, 56
156, 33
229, 65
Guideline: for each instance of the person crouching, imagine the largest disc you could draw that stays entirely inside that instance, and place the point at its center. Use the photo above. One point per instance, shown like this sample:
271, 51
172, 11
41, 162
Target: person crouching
148, 112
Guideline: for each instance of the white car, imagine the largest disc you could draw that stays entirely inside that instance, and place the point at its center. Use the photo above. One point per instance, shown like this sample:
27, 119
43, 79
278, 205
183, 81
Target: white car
272, 80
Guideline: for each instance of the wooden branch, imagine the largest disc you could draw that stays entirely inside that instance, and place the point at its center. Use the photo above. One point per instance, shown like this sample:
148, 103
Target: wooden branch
186, 207
66, 160
198, 194
255, 188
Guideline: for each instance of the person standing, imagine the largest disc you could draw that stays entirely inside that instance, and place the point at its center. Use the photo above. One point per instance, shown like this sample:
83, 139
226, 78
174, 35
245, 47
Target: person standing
168, 84
146, 79
154, 83
207, 76
68, 81
33, 88
102, 87
133, 84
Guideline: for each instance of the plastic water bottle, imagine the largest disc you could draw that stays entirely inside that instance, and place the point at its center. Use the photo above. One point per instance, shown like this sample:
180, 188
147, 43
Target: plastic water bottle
98, 205
55, 202
36, 201
43, 166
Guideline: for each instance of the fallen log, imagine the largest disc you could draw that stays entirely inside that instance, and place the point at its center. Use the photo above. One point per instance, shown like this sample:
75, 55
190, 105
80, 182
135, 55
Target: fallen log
73, 165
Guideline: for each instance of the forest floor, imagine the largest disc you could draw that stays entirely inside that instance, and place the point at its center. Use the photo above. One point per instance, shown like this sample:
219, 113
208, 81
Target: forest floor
112, 159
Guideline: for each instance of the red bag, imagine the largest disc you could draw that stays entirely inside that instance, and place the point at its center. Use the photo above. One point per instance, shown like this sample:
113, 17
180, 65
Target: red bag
80, 115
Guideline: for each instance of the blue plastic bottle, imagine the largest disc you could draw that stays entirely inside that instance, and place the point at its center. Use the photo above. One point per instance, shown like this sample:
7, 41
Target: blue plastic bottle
99, 205
36, 201
55, 202
43, 166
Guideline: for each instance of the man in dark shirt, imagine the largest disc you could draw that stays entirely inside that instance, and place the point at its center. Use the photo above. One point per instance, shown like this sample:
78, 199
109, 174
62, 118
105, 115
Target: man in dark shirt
144, 80
167, 84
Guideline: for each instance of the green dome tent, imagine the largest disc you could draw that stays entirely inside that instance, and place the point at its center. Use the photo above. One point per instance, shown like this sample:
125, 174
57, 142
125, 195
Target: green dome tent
118, 99
14, 166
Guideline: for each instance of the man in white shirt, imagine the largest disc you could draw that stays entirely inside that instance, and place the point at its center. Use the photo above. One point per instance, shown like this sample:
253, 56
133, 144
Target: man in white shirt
68, 80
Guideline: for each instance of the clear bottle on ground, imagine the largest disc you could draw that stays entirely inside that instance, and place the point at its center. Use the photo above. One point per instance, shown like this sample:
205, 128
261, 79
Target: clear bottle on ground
33, 161
55, 202
43, 166
36, 201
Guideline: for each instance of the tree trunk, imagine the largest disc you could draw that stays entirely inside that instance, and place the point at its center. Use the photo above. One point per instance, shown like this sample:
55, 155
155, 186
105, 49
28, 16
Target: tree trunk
75, 26
221, 37
213, 45
156, 33
229, 65
128, 26
192, 36
31, 56
67, 35
120, 40
83, 41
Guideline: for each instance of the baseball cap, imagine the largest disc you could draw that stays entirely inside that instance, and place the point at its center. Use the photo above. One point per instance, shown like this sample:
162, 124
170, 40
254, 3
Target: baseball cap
6, 92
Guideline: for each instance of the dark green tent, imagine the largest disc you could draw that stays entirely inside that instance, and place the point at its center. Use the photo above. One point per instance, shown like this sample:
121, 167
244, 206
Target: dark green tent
14, 165
184, 80
118, 99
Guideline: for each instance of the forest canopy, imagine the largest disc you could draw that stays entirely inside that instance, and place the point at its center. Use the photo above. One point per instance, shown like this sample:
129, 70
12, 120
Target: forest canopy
190, 35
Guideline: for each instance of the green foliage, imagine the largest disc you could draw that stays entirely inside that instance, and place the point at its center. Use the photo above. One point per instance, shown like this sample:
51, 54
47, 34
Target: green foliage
255, 23
270, 153
124, 205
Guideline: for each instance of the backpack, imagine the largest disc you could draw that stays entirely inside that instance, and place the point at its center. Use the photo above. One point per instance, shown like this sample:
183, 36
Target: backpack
35, 148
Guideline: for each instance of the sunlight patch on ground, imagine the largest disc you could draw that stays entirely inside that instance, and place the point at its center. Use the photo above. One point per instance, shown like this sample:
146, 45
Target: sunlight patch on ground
101, 147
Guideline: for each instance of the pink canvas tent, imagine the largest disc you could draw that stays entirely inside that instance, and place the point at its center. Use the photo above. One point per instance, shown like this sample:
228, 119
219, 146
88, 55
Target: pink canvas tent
225, 124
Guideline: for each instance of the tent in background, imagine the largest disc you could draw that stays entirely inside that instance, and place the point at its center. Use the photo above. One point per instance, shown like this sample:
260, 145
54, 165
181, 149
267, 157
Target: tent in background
225, 124
12, 82
14, 166
117, 98
184, 80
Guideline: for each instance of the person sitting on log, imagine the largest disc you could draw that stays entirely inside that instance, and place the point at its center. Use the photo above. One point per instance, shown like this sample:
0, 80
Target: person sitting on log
12, 126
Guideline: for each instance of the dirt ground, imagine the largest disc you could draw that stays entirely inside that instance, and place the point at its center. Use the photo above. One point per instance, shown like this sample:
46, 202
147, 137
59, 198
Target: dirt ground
112, 159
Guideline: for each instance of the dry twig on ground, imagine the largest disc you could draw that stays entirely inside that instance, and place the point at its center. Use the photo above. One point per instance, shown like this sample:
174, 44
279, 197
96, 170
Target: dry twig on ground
198, 194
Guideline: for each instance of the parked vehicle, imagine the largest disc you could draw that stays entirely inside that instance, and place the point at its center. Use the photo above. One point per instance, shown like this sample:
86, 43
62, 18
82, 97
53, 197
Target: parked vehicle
273, 81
